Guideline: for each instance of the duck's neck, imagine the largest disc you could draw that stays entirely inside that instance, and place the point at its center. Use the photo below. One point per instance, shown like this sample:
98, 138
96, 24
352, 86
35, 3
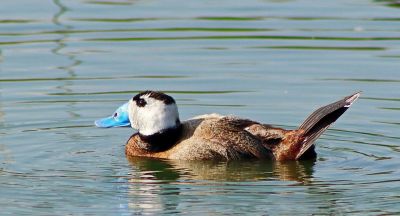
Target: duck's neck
162, 140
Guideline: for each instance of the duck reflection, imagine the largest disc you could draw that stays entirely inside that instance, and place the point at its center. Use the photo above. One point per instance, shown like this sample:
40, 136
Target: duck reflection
156, 185
5, 154
253, 170
150, 191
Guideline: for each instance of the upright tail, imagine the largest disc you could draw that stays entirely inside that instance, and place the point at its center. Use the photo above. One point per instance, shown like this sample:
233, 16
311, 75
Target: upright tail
321, 119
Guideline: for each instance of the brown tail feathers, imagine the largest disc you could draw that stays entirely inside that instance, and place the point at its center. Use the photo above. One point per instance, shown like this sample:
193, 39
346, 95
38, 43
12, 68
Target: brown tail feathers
320, 120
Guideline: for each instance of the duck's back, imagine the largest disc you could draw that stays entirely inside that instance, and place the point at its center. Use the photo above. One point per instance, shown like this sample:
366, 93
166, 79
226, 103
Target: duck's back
218, 137
211, 137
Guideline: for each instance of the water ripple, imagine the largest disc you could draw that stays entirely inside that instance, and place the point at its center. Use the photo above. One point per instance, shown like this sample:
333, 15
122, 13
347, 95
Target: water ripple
247, 37
362, 80
137, 91
94, 78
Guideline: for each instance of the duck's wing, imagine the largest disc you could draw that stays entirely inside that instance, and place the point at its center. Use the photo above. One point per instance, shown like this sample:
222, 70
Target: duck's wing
268, 134
225, 137
230, 133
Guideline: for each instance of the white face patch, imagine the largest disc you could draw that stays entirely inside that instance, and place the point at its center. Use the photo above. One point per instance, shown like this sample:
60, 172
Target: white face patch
154, 117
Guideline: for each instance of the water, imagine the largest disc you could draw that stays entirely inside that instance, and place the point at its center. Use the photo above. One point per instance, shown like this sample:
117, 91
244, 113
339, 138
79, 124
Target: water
64, 64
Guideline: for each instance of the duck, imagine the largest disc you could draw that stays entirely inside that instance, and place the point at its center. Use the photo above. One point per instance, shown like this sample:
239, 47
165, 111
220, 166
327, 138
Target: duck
161, 134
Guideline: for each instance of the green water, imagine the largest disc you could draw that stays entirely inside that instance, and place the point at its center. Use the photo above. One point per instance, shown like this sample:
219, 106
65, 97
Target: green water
64, 64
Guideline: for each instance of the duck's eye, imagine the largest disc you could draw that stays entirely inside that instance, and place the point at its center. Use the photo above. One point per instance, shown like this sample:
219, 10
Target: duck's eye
141, 102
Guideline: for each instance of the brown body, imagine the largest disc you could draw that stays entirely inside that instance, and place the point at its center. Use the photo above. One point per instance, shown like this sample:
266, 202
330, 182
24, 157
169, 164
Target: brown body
225, 138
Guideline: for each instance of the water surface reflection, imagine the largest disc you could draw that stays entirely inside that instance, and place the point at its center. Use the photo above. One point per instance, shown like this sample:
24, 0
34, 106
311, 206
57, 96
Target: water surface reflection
153, 182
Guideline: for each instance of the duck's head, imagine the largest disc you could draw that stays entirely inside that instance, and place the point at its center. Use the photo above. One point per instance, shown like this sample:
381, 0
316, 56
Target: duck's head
149, 112
152, 112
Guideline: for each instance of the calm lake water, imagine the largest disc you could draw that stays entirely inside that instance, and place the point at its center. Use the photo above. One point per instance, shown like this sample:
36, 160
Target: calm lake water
64, 64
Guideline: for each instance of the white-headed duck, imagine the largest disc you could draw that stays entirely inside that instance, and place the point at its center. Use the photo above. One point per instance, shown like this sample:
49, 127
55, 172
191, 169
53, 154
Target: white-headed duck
161, 134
